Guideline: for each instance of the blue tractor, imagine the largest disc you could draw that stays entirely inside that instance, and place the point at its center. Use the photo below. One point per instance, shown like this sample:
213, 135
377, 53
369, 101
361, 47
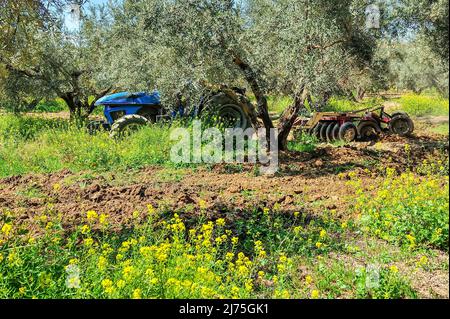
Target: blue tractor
126, 112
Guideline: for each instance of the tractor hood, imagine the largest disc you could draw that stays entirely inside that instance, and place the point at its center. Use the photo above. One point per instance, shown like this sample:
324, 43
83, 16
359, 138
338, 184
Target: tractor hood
127, 98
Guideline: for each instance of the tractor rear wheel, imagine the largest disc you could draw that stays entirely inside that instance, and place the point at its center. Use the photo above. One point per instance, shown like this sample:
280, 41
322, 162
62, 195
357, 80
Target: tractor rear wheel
127, 125
348, 132
231, 115
401, 124
224, 111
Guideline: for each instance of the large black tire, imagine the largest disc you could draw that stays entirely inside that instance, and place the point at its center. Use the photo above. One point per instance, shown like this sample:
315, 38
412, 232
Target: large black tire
330, 130
348, 132
368, 130
399, 113
401, 124
228, 112
128, 124
323, 131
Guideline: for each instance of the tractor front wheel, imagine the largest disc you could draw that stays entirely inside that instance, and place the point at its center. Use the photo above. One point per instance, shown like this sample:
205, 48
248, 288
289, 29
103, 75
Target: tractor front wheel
128, 125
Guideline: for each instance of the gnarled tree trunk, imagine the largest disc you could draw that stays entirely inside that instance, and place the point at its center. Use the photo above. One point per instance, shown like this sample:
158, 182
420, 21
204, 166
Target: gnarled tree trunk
287, 121
80, 109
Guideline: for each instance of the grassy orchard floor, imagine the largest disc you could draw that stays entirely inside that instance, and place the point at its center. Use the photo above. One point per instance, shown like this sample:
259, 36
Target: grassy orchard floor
161, 231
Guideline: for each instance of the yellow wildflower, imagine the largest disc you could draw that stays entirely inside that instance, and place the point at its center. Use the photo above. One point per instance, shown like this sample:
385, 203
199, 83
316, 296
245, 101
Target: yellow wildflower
423, 261
150, 209
412, 240
103, 219
91, 215
137, 294
283, 259
85, 229
121, 283
393, 269
315, 294
220, 222
6, 229
88, 242
202, 204
235, 292
107, 285
102, 263
407, 148
323, 233
229, 256
153, 281
73, 261
248, 285
127, 272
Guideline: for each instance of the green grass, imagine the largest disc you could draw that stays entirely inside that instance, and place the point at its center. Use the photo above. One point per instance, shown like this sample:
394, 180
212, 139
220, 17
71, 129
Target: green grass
278, 104
303, 143
42, 146
56, 105
442, 129
23, 128
408, 210
340, 104
423, 105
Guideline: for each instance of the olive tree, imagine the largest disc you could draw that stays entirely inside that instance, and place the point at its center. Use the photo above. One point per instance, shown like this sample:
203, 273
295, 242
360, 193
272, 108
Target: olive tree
43, 59
415, 66
427, 18
294, 48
